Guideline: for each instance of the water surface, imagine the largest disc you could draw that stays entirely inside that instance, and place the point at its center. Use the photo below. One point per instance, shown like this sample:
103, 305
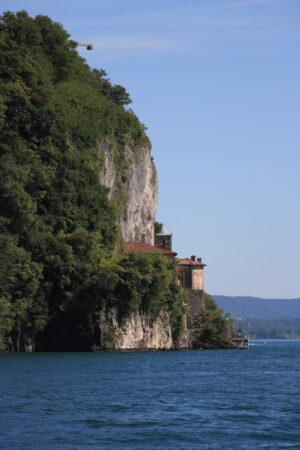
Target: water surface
190, 399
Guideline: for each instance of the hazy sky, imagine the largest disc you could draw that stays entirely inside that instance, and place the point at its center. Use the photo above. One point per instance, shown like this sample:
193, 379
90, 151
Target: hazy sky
217, 84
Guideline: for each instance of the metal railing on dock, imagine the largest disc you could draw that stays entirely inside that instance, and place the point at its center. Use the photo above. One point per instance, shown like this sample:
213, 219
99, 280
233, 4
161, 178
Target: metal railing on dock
241, 339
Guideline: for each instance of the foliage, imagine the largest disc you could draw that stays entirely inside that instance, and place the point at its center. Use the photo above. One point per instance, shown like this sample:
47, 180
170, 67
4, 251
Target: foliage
110, 334
61, 265
58, 229
20, 314
214, 329
190, 323
6, 322
130, 282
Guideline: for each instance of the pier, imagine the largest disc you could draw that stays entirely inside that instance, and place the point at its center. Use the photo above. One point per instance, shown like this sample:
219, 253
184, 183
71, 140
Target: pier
241, 339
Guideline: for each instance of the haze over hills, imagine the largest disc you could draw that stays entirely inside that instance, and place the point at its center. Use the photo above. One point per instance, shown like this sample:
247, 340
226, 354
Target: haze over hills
264, 318
259, 308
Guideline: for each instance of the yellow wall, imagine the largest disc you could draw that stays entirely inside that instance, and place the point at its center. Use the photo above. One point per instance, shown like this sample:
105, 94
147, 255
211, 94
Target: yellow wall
198, 278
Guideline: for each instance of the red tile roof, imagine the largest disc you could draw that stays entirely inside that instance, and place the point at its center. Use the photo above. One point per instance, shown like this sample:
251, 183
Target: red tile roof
189, 262
142, 247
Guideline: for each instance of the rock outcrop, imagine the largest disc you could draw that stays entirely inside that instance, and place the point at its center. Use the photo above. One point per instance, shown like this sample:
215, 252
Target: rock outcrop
140, 190
139, 332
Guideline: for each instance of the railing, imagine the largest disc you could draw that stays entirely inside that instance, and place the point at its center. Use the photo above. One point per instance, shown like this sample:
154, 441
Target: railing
242, 335
241, 339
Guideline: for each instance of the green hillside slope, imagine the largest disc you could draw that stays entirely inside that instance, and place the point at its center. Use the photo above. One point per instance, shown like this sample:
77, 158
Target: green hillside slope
61, 259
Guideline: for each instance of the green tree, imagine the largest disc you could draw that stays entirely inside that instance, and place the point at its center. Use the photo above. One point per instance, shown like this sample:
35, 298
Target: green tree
60, 259
119, 95
19, 283
214, 331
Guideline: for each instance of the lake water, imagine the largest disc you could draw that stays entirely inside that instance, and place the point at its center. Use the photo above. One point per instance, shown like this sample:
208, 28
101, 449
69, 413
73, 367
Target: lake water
233, 399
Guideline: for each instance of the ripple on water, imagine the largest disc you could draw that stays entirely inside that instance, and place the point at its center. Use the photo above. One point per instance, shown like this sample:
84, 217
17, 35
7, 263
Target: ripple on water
191, 399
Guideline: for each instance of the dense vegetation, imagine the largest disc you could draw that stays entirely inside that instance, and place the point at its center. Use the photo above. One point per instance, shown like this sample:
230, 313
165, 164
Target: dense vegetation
61, 261
212, 328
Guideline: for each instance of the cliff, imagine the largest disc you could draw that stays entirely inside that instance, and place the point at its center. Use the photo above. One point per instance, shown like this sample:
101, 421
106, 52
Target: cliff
206, 329
134, 187
65, 133
76, 174
138, 332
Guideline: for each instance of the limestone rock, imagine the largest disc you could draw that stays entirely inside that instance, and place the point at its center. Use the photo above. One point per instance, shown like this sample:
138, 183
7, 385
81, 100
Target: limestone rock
138, 332
140, 188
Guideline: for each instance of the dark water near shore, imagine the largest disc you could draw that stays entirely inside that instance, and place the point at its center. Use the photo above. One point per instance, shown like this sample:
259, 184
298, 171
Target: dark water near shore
191, 399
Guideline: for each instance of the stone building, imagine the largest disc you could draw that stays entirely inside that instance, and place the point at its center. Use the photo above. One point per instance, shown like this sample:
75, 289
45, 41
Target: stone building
163, 239
191, 279
190, 270
191, 273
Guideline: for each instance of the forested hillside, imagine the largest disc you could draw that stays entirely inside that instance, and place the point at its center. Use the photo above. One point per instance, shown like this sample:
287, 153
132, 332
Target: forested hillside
61, 260
259, 308
264, 318
284, 328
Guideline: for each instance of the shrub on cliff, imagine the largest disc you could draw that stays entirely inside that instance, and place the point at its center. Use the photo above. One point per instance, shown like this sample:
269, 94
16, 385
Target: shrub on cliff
214, 329
130, 282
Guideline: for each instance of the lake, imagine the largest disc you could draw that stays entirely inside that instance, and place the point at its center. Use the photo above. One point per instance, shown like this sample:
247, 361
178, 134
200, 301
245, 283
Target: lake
233, 399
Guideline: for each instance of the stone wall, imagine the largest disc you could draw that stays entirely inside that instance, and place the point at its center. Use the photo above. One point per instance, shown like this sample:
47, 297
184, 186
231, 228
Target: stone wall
195, 301
163, 241
197, 278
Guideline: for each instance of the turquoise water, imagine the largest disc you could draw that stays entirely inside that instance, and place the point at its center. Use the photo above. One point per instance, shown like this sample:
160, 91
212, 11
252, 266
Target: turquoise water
233, 399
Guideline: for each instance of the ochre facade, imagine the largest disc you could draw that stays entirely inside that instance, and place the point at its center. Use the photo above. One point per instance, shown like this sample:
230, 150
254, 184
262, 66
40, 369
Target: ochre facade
191, 273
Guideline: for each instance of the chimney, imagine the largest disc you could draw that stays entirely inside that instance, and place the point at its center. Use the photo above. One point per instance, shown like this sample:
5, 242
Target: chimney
199, 259
193, 257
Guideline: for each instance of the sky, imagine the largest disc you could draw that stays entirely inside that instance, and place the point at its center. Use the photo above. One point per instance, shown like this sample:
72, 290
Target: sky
216, 82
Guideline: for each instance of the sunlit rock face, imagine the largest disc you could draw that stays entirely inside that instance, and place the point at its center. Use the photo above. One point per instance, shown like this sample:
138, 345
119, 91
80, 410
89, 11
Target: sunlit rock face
139, 191
138, 332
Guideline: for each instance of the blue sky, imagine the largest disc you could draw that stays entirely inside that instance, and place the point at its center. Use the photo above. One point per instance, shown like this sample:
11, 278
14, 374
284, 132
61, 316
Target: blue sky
217, 84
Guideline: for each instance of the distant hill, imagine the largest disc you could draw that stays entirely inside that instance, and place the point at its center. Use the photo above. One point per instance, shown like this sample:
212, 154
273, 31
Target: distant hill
271, 328
259, 308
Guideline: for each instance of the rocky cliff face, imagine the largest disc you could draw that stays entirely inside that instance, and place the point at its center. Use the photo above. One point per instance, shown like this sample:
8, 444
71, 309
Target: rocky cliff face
133, 183
131, 176
138, 332
140, 190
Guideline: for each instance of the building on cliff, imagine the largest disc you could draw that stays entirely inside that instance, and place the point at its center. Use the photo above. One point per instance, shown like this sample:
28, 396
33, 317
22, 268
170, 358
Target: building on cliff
163, 239
191, 273
190, 270
191, 279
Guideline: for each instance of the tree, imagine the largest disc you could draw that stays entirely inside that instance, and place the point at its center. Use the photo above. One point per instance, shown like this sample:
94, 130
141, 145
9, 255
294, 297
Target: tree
60, 257
119, 95
19, 283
